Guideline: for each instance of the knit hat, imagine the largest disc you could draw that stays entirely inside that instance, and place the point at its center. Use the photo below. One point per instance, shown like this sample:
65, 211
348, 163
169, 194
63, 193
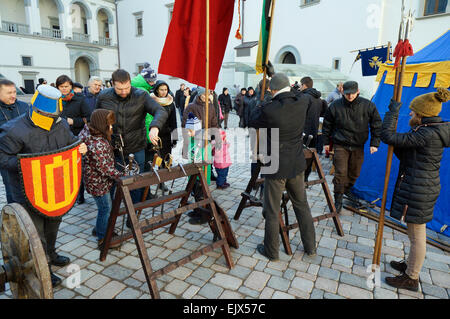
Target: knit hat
279, 81
430, 104
148, 73
193, 123
201, 90
101, 119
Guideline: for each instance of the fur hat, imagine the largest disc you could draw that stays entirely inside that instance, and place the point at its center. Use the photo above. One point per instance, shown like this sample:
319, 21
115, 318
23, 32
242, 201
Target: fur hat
430, 104
101, 119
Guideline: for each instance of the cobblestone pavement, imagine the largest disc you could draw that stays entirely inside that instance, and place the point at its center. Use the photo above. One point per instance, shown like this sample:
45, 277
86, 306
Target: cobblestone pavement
338, 271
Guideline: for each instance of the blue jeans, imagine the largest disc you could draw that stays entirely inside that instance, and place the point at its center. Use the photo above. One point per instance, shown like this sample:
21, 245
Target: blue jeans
222, 174
139, 157
104, 205
5, 177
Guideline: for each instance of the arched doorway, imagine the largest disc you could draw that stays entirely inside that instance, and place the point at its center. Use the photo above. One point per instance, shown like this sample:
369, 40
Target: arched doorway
82, 71
288, 55
288, 58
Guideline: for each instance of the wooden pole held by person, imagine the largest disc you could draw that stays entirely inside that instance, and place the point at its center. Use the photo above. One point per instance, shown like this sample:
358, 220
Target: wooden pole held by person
398, 89
205, 150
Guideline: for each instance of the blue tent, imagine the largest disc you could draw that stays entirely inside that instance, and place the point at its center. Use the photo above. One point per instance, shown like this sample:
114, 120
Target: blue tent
428, 69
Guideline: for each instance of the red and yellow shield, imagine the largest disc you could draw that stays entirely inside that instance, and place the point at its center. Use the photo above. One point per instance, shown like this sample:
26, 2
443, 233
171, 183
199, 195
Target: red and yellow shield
51, 181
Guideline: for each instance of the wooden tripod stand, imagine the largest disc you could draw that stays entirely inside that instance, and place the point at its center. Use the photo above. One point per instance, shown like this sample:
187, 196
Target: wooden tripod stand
251, 201
218, 222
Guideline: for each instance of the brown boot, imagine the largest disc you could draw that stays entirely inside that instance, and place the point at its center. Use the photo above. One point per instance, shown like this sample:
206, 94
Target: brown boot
403, 282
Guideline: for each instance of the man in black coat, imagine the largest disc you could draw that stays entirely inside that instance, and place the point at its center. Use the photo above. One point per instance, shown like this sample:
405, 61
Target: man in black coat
284, 117
179, 99
10, 108
418, 186
131, 106
346, 123
316, 109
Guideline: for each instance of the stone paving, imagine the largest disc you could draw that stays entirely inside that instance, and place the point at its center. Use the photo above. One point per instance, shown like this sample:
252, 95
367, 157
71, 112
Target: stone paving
338, 271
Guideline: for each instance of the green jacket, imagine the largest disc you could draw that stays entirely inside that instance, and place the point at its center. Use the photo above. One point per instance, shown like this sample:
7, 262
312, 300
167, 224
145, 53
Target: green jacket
140, 83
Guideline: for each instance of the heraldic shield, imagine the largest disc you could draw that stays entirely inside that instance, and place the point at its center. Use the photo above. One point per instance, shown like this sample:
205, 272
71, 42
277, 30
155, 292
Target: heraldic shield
51, 180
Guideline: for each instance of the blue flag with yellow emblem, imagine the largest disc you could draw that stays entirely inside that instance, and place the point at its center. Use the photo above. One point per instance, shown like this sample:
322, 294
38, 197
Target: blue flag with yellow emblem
372, 59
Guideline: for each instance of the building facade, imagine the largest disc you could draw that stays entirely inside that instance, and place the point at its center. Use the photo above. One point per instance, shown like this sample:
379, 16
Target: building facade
47, 38
309, 36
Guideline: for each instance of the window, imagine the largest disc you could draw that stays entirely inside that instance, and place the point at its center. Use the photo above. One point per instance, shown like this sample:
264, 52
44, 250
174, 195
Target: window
305, 3
139, 23
435, 7
26, 61
336, 64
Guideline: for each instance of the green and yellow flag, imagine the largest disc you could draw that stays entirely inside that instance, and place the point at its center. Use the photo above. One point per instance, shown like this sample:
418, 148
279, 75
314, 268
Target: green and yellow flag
264, 36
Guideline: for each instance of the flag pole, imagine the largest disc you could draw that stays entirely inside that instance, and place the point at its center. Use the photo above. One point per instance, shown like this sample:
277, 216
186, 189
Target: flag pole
207, 89
398, 88
263, 89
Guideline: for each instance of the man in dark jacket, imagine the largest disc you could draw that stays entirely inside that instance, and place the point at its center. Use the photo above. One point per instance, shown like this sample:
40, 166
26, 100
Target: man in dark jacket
10, 108
225, 104
285, 114
92, 91
131, 106
418, 184
239, 106
179, 99
30, 133
347, 123
249, 100
316, 109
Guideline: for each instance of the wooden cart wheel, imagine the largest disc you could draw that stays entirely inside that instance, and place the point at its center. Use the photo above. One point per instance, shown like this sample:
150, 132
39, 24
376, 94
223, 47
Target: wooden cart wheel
23, 255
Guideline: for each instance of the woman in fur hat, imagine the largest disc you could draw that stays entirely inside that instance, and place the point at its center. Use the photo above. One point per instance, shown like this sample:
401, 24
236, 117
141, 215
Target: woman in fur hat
418, 184
99, 167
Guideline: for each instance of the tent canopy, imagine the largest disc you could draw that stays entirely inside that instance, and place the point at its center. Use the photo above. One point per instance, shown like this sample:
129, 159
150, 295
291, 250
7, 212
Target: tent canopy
427, 69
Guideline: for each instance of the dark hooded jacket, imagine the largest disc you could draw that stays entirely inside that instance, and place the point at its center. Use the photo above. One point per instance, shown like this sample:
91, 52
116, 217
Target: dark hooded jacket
249, 102
130, 116
420, 153
225, 102
317, 108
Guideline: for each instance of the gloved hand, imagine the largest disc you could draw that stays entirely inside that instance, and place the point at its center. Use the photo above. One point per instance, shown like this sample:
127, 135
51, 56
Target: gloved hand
174, 143
395, 106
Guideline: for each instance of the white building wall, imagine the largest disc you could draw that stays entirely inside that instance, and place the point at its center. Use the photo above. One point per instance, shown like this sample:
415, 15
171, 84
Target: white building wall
52, 57
318, 33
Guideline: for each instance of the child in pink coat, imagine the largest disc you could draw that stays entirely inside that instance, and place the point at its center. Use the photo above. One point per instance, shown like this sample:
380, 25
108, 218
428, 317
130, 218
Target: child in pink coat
222, 162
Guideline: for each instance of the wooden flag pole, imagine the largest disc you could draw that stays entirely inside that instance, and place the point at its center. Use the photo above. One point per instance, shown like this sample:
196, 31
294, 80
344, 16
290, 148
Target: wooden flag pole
207, 89
263, 89
398, 89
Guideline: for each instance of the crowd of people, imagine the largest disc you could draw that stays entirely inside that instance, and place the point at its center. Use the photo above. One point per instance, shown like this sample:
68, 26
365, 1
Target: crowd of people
139, 115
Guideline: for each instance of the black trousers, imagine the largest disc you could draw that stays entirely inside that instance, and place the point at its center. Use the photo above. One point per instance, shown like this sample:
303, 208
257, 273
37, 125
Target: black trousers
273, 191
48, 232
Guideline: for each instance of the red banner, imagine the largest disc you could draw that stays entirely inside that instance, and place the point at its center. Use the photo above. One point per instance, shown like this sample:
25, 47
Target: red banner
184, 53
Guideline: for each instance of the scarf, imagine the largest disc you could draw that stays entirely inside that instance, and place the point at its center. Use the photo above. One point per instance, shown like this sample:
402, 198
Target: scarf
67, 98
163, 101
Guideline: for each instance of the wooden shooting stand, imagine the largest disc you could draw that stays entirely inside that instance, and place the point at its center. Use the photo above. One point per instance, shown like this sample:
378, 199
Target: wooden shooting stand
218, 222
251, 201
